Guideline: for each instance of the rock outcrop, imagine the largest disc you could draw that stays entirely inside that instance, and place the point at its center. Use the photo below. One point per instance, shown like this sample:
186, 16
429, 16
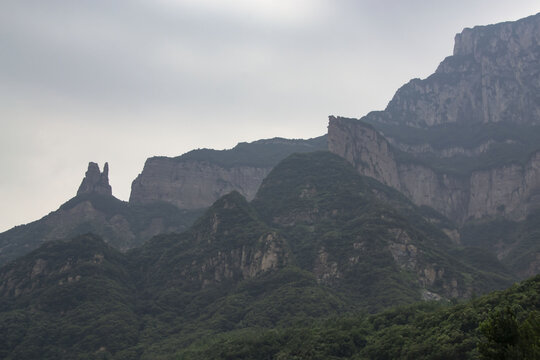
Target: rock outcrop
198, 178
228, 243
512, 191
464, 141
168, 196
95, 210
193, 184
344, 228
492, 77
95, 181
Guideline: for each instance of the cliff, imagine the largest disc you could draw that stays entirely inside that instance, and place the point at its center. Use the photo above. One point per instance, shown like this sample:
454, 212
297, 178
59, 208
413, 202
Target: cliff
510, 190
95, 210
350, 229
198, 178
95, 181
193, 184
167, 196
466, 140
492, 76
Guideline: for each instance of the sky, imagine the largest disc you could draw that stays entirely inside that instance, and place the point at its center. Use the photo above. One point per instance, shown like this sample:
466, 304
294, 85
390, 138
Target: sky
124, 80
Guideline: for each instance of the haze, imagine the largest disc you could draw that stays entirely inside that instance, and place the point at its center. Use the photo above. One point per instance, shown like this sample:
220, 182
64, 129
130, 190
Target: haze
125, 80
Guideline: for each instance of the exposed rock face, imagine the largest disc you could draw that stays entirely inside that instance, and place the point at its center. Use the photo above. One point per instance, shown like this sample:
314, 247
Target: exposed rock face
365, 148
510, 190
198, 178
95, 181
344, 228
241, 263
492, 77
228, 244
167, 196
95, 210
490, 85
193, 184
47, 271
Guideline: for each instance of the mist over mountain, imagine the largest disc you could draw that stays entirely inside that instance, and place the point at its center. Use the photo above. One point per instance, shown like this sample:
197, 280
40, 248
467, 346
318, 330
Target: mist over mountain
318, 240
167, 196
383, 239
466, 140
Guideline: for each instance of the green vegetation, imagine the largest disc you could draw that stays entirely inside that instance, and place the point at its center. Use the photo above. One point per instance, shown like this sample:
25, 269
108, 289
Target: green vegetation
320, 204
261, 153
302, 272
501, 325
76, 301
286, 314
138, 217
510, 144
518, 241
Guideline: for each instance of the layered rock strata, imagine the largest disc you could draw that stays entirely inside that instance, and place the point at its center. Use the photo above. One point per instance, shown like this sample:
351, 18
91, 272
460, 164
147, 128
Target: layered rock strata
198, 178
95, 181
512, 191
490, 86
493, 76
193, 184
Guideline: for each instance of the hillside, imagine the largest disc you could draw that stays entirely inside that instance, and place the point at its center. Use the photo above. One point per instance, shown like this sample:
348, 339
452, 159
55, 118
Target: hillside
94, 209
397, 243
164, 199
500, 325
318, 244
465, 140
197, 178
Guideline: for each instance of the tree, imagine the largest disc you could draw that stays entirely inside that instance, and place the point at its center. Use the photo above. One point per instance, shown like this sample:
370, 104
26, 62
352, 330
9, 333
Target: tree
505, 338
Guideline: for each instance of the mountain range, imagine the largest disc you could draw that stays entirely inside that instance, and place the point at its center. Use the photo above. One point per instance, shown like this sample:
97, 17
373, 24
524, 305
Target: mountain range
303, 249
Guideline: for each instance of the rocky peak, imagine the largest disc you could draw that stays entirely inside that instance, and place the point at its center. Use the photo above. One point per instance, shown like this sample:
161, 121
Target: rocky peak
96, 181
510, 37
492, 77
451, 129
198, 178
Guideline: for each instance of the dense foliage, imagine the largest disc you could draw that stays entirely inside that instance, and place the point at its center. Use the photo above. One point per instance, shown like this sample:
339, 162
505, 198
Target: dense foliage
508, 143
299, 273
261, 153
319, 203
501, 325
280, 315
518, 240
137, 217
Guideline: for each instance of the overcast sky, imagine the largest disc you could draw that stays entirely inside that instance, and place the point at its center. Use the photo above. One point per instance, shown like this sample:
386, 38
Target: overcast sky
121, 81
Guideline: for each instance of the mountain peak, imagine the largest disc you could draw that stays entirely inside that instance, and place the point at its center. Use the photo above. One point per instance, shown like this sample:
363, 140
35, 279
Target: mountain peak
95, 181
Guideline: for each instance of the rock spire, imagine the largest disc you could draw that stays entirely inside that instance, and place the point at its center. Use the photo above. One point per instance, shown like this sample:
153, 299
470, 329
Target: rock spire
95, 181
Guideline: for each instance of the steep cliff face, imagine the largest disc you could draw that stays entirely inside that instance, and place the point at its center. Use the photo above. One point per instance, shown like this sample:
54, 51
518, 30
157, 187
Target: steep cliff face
198, 178
366, 149
464, 141
226, 245
492, 77
510, 190
95, 210
347, 229
95, 182
193, 184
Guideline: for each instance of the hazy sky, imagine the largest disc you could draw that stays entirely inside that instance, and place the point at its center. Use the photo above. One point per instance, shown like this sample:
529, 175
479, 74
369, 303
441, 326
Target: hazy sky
121, 81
